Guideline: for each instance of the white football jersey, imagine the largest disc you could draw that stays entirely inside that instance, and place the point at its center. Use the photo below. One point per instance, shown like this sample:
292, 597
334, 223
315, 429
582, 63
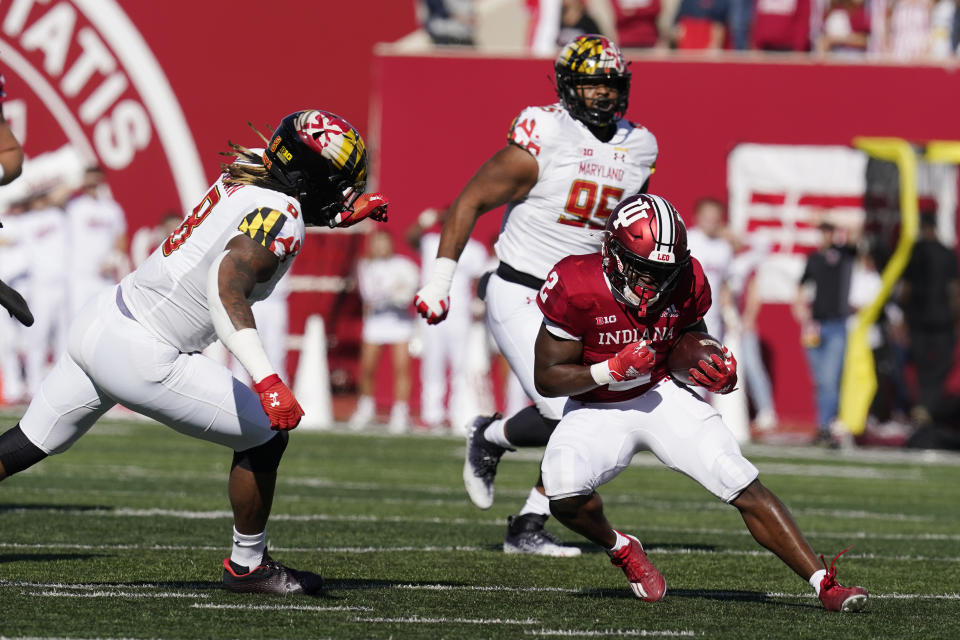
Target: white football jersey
581, 181
168, 292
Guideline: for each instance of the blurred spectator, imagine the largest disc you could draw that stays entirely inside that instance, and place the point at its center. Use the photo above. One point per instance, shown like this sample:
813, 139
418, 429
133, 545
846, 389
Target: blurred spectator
636, 23
846, 29
15, 271
909, 29
702, 24
575, 21
739, 20
443, 356
387, 283
941, 29
97, 234
544, 27
707, 241
45, 232
145, 240
822, 314
745, 288
781, 25
930, 297
448, 22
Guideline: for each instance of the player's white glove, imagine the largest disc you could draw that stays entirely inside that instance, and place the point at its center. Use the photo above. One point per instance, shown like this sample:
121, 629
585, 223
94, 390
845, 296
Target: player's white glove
634, 360
433, 300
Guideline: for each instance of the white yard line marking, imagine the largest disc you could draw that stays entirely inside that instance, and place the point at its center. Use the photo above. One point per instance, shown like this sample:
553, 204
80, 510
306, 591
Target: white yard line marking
223, 514
277, 607
111, 590
58, 593
420, 620
608, 633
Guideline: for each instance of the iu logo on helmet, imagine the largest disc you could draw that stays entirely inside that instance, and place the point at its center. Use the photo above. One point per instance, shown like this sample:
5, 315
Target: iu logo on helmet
631, 213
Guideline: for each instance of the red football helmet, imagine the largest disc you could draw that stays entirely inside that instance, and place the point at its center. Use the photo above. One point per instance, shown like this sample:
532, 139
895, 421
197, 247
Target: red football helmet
644, 251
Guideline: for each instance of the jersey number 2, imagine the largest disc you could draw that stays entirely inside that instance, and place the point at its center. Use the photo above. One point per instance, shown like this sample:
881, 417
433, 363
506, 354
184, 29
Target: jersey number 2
176, 239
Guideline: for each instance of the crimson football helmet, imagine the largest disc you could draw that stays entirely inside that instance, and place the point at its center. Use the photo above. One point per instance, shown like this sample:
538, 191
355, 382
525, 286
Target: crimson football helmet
322, 159
592, 59
644, 251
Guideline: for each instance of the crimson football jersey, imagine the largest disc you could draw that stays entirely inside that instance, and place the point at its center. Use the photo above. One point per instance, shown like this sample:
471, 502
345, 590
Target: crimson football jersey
577, 304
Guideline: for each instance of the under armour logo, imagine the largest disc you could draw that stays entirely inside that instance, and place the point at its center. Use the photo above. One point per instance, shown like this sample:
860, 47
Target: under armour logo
274, 399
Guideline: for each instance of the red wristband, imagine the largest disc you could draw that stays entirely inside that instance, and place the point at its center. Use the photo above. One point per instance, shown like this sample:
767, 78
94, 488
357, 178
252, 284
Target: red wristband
266, 383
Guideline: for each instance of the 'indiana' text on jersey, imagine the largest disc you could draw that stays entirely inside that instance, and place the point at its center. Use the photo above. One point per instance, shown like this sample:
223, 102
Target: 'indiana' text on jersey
577, 304
626, 336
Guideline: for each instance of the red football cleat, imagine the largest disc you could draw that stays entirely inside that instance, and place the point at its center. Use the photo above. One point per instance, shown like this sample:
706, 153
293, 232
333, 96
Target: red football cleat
835, 596
645, 581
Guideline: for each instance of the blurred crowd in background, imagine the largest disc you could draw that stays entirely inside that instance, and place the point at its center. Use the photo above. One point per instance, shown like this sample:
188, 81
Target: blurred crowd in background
897, 30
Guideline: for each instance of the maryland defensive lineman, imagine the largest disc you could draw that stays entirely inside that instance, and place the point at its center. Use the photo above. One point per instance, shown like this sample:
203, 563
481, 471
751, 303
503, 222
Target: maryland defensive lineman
564, 168
139, 343
610, 318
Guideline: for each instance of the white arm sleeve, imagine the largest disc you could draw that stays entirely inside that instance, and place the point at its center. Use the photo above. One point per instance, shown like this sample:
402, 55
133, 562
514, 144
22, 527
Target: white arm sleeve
244, 344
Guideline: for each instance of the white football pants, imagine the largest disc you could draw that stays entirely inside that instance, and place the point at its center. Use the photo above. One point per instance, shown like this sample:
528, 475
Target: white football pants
111, 358
594, 442
514, 320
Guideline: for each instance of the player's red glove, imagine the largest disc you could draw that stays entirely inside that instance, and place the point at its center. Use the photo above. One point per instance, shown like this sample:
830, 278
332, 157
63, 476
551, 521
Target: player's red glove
278, 403
719, 376
369, 205
634, 360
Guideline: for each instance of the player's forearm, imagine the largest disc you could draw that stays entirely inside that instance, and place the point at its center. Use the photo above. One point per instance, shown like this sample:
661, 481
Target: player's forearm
563, 380
228, 285
457, 228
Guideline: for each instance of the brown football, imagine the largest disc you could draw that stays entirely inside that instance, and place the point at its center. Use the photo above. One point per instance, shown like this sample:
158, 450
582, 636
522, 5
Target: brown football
689, 350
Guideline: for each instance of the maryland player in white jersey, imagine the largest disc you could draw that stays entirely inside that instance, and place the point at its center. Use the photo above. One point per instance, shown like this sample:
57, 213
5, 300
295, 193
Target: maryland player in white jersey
564, 169
138, 344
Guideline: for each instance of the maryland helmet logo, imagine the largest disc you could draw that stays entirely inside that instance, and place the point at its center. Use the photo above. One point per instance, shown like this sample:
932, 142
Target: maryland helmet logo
336, 140
592, 55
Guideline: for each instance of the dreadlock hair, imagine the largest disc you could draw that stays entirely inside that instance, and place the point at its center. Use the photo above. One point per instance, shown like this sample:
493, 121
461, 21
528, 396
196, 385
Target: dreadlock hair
247, 167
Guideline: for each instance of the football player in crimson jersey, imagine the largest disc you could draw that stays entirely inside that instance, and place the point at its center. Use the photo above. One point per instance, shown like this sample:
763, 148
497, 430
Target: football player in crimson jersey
564, 168
139, 343
11, 164
610, 318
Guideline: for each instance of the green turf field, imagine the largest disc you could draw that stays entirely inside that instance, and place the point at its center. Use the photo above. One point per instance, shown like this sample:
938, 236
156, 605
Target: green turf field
123, 537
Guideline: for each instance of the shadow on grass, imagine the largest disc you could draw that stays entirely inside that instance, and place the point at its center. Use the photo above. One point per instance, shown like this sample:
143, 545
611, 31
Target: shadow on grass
45, 557
756, 597
7, 508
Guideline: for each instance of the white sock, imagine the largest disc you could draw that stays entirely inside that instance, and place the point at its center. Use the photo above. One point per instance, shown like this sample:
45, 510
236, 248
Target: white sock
621, 542
495, 434
248, 549
536, 503
816, 579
